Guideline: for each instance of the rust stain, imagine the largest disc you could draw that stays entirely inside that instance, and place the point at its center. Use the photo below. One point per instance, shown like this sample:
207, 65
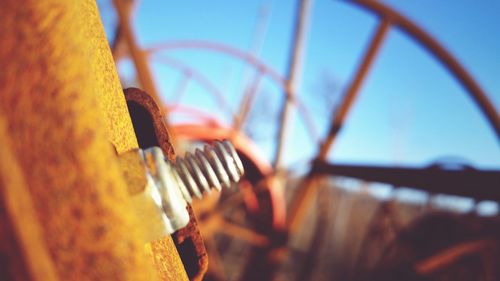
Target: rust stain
167, 265
107, 85
163, 139
61, 103
190, 235
188, 240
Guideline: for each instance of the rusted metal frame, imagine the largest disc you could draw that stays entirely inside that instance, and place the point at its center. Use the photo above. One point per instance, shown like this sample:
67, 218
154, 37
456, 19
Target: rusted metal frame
209, 133
218, 48
353, 90
306, 190
137, 54
477, 184
240, 232
63, 139
216, 268
151, 130
237, 199
247, 150
219, 96
247, 58
201, 79
294, 74
256, 237
118, 44
437, 50
292, 83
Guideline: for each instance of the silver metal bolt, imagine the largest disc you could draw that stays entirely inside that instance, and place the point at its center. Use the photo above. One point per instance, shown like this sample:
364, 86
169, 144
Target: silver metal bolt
175, 184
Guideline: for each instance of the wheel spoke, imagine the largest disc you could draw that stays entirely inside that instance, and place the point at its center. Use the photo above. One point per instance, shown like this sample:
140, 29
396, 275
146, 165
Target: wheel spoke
305, 193
243, 233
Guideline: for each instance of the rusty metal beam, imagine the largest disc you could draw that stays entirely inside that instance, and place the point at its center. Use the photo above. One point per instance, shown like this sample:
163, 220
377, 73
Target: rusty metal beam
137, 54
248, 58
218, 48
64, 109
353, 90
477, 184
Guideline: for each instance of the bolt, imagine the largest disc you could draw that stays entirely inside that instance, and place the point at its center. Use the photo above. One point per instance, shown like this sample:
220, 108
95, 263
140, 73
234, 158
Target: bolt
177, 183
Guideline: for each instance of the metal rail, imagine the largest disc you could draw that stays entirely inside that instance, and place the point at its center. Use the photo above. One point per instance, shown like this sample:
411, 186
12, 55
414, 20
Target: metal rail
353, 90
248, 58
136, 53
477, 184
191, 73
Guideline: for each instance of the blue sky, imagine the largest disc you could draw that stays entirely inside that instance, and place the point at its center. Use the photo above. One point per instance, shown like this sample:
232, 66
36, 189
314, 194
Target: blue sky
410, 111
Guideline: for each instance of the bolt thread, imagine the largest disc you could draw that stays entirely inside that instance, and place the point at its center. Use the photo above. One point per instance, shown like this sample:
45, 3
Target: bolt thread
215, 166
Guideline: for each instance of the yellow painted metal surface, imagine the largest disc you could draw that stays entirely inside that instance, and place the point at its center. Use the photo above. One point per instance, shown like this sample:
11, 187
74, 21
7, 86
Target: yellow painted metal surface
64, 111
166, 263
106, 86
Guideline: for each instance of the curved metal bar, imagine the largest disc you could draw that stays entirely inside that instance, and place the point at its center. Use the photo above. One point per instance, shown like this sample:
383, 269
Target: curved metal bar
395, 19
306, 190
436, 49
200, 79
245, 57
219, 48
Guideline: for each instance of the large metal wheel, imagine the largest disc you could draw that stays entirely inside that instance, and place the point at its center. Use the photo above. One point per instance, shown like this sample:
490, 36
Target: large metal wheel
256, 215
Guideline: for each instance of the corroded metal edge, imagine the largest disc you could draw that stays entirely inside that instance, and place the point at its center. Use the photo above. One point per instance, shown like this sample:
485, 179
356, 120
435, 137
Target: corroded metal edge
188, 240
